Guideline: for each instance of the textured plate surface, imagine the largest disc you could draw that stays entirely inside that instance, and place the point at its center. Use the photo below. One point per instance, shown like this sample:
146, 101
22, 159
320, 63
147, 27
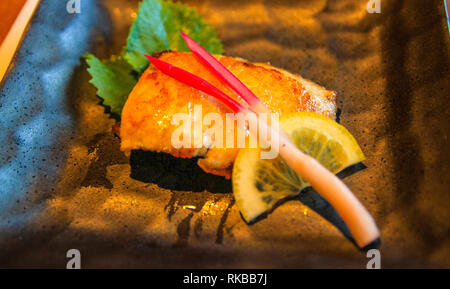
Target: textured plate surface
65, 184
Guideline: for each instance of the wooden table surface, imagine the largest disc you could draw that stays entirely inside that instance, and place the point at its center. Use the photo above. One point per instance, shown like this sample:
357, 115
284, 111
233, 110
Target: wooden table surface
9, 9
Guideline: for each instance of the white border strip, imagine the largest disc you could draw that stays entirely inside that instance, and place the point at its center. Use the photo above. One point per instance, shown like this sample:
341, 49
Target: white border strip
14, 36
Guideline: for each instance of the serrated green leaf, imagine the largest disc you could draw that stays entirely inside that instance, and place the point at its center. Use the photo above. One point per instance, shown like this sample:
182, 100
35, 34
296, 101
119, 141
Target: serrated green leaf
113, 79
157, 27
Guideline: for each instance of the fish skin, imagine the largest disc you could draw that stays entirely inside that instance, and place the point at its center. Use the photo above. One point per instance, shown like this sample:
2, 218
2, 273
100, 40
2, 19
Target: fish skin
148, 111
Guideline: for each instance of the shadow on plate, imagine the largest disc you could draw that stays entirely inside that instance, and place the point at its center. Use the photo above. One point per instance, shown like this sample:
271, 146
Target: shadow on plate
184, 175
310, 198
173, 173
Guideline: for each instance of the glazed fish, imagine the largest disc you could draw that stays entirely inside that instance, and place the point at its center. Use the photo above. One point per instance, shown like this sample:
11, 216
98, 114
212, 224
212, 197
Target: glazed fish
147, 115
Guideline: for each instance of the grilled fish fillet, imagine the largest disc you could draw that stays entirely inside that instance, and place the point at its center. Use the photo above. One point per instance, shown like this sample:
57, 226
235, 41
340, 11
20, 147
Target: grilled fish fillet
148, 111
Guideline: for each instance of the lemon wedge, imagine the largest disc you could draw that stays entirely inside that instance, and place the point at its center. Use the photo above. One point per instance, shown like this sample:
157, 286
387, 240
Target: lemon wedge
258, 184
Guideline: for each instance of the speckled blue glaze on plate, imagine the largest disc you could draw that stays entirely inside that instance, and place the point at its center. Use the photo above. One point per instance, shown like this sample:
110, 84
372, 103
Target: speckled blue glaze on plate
36, 122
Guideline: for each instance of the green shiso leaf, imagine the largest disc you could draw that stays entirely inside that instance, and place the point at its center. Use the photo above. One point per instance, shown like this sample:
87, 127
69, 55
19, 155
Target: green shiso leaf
113, 79
156, 28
